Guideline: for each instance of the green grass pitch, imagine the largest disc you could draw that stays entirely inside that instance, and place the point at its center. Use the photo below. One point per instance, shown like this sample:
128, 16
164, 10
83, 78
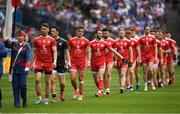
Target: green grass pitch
164, 100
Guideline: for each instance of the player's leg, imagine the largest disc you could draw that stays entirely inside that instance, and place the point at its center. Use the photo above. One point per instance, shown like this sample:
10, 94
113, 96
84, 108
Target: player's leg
53, 86
73, 75
81, 84
38, 73
145, 71
94, 70
132, 75
123, 78
163, 75
137, 75
62, 85
95, 78
155, 74
108, 74
128, 78
105, 77
150, 69
48, 85
171, 73
100, 80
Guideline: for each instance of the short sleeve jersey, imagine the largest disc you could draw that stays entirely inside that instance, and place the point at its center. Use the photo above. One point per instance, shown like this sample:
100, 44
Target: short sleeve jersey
108, 53
171, 44
77, 48
43, 46
135, 45
147, 44
158, 46
122, 47
98, 50
61, 48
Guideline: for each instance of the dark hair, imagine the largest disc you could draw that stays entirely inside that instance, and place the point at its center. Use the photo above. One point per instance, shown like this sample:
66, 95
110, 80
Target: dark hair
57, 28
146, 26
79, 27
97, 31
104, 29
45, 25
121, 29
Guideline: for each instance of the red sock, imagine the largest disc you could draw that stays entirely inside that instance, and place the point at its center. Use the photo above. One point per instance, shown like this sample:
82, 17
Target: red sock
100, 84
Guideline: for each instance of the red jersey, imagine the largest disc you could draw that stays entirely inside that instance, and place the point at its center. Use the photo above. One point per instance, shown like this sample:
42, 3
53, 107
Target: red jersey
158, 47
122, 47
98, 51
108, 53
171, 44
165, 46
147, 44
135, 45
78, 48
43, 46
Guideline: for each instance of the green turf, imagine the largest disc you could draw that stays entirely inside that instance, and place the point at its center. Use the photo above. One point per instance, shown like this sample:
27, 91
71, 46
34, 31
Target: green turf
166, 100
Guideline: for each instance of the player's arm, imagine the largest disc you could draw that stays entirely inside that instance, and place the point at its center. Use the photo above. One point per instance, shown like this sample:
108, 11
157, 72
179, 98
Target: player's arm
118, 54
54, 52
161, 54
138, 54
175, 50
155, 51
67, 57
88, 53
130, 53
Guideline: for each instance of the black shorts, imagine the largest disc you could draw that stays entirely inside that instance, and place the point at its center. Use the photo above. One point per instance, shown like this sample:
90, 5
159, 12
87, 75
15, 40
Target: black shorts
60, 69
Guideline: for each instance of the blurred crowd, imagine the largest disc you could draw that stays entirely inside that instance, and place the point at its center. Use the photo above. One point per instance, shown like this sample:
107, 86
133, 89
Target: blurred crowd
113, 14
94, 14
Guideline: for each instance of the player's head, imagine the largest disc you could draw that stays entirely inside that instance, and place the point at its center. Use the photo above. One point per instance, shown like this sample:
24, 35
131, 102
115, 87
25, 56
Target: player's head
99, 34
147, 29
20, 35
105, 33
80, 31
128, 34
121, 33
168, 34
44, 29
159, 35
153, 32
133, 31
55, 31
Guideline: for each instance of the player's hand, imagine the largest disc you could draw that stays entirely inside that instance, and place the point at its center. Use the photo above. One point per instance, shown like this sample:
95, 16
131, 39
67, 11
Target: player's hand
139, 60
88, 64
67, 67
26, 69
115, 64
129, 64
125, 60
54, 64
174, 57
32, 67
155, 60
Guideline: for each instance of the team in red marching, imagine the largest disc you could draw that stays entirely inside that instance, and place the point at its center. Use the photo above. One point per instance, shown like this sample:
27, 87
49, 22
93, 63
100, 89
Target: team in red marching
52, 55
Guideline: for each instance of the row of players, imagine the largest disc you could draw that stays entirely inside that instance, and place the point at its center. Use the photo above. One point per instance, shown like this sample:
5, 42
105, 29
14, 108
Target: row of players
99, 56
52, 53
152, 51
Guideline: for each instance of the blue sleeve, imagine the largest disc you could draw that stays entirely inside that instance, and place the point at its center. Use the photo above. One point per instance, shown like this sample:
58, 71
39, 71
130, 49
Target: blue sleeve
28, 53
8, 44
3, 51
